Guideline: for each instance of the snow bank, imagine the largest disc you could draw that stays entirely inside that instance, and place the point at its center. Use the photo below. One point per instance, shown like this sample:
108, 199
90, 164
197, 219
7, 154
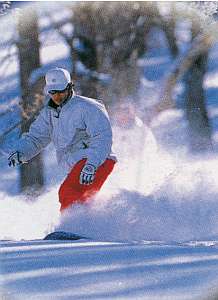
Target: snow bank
22, 219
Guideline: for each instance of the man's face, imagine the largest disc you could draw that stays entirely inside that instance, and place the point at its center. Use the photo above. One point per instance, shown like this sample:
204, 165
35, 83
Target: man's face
58, 96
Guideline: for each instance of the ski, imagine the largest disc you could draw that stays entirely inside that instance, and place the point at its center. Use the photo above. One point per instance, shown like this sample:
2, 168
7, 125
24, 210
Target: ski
63, 235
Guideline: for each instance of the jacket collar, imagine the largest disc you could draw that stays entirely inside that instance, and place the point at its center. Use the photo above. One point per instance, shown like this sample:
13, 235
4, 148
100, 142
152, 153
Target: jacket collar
52, 104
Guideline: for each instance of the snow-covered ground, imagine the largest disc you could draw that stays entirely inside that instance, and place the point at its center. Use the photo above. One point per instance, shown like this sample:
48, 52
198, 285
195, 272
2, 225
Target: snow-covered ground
153, 227
105, 270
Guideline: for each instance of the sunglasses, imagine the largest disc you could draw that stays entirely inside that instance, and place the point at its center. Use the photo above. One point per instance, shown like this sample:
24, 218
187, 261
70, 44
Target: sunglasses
53, 92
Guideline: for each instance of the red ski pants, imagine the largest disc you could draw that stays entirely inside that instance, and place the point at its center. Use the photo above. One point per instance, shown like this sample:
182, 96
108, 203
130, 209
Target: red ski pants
71, 191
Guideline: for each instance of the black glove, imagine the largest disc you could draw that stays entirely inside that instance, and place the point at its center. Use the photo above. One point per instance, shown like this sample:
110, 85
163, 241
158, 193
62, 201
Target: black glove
87, 174
14, 159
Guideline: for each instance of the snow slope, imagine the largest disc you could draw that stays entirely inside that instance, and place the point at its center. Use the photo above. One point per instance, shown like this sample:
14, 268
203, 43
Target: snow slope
105, 270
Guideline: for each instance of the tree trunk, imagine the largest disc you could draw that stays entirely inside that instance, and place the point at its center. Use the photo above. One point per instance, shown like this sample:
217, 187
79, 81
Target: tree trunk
29, 60
88, 57
169, 29
199, 126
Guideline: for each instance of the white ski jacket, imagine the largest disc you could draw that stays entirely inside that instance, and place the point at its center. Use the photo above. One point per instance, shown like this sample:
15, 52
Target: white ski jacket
79, 129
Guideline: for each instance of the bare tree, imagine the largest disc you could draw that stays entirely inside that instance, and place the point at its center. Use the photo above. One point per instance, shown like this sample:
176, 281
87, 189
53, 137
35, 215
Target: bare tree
193, 66
196, 111
29, 60
112, 36
108, 38
168, 25
199, 126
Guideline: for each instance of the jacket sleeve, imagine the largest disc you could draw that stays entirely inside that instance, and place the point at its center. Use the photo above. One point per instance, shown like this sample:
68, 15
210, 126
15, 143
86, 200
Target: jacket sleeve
98, 127
31, 143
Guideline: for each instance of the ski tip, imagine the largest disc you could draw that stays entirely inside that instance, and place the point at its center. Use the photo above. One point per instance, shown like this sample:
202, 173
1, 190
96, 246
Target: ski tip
63, 235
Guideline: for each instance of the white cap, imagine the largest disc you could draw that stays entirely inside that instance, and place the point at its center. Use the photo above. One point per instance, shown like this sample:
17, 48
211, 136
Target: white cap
57, 79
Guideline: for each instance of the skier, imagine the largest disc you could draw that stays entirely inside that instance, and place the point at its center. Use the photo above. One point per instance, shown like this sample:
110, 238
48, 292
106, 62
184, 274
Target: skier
80, 130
